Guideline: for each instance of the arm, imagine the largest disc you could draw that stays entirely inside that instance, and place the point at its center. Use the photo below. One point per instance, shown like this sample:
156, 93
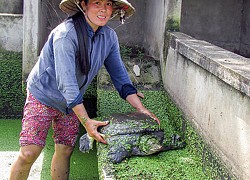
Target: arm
122, 82
89, 124
65, 49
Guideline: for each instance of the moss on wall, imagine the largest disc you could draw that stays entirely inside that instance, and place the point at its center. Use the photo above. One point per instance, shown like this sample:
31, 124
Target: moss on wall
211, 163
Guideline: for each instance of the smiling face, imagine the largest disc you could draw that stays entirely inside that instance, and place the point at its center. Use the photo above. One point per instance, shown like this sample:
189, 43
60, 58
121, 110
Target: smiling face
97, 12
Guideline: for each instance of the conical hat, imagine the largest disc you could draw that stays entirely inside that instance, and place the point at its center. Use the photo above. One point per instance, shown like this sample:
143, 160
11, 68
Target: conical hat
70, 7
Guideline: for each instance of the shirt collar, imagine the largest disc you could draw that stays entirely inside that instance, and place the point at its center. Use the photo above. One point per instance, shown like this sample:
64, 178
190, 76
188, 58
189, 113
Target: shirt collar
91, 33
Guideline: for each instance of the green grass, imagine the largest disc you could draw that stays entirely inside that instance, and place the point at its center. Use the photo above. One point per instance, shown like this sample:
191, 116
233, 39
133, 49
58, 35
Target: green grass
83, 166
9, 134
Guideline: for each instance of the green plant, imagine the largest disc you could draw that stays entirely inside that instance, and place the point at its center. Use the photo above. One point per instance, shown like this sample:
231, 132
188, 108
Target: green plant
11, 95
125, 51
131, 51
173, 25
13, 90
138, 52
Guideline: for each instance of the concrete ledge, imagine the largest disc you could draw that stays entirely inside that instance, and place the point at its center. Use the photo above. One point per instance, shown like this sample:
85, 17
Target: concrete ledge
229, 67
11, 15
212, 87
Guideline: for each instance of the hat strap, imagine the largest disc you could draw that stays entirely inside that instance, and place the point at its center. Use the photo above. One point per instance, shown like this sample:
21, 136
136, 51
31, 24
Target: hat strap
77, 4
79, 7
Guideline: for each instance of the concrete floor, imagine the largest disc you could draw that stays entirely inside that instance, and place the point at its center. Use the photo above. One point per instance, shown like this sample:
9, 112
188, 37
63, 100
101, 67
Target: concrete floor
8, 157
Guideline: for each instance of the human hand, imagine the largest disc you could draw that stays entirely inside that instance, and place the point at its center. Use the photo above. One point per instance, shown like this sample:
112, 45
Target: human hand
134, 100
91, 127
140, 95
152, 115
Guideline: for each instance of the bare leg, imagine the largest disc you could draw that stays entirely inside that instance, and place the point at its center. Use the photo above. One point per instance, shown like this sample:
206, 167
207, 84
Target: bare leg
61, 162
21, 167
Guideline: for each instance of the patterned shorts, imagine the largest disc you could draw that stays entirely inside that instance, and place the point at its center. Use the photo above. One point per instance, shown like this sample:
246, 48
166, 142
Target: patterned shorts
37, 120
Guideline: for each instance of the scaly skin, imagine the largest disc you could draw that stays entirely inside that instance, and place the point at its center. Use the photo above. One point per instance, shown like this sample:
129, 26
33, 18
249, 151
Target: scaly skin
131, 134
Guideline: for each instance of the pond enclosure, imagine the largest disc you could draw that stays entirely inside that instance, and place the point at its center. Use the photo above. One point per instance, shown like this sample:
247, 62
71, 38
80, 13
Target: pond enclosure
202, 48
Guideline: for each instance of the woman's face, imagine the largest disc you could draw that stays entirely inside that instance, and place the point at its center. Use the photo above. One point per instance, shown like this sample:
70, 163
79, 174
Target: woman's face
98, 12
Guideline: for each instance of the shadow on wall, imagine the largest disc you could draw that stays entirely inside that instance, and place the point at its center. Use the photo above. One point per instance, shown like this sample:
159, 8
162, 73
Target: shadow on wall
11, 7
223, 23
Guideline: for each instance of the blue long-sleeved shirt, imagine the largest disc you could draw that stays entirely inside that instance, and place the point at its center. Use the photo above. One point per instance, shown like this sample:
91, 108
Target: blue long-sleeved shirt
56, 79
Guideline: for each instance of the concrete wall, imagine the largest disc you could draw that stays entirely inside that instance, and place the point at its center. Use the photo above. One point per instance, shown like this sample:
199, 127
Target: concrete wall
11, 32
132, 31
245, 37
40, 17
52, 16
145, 29
223, 23
12, 7
11, 25
212, 87
155, 26
31, 38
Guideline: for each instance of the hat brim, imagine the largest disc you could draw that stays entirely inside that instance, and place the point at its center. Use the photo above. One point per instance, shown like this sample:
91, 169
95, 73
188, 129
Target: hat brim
70, 8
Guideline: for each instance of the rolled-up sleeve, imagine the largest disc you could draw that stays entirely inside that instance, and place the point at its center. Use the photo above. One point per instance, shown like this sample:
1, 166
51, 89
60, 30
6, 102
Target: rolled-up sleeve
65, 68
118, 72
